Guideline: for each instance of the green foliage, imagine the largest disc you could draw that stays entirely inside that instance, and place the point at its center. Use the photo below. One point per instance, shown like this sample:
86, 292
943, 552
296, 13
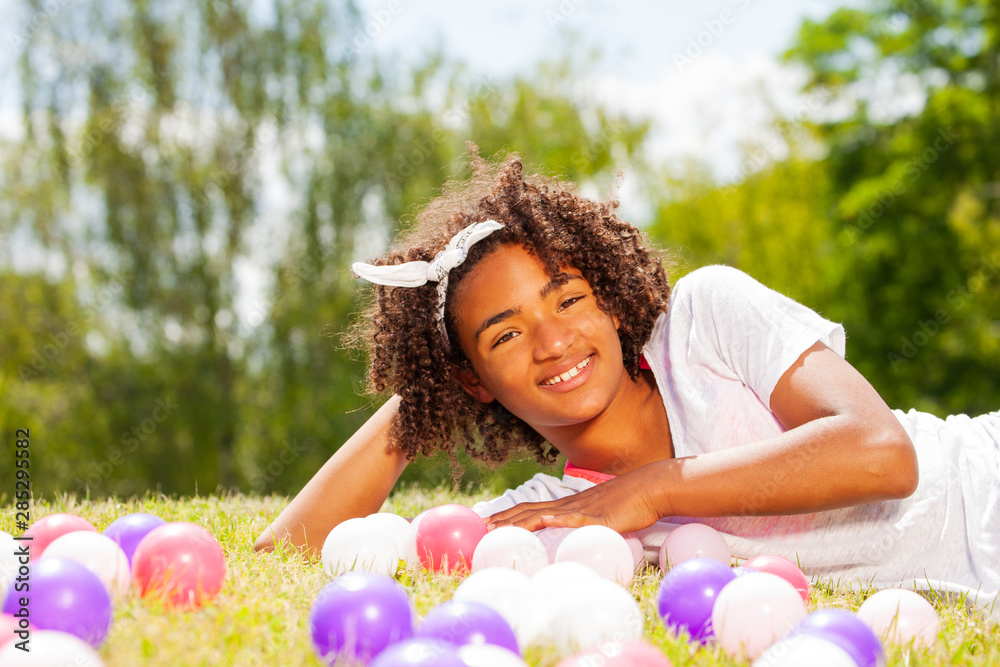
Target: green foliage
895, 229
174, 154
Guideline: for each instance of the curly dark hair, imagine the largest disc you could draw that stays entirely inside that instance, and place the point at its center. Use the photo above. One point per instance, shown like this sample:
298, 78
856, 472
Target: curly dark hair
556, 224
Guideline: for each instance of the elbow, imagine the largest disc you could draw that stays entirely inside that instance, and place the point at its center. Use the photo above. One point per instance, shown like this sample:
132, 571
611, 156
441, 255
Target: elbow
900, 469
264, 543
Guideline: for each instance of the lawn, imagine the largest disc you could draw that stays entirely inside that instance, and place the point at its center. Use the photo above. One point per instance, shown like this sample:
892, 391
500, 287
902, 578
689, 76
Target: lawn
261, 615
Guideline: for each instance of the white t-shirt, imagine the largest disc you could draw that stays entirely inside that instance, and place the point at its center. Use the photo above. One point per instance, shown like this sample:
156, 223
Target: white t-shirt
717, 354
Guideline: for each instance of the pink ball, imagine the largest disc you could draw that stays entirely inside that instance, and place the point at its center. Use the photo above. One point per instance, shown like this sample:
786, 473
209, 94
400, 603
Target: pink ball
181, 563
601, 548
447, 537
552, 538
48, 528
754, 611
632, 653
784, 568
900, 616
693, 540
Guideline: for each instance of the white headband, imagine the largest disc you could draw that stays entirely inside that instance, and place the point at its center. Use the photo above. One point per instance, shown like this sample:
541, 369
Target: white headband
415, 274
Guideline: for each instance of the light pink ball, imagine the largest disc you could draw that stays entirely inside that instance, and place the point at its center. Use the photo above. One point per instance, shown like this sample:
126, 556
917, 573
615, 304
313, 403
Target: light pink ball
638, 553
784, 568
552, 538
693, 540
900, 616
633, 653
754, 611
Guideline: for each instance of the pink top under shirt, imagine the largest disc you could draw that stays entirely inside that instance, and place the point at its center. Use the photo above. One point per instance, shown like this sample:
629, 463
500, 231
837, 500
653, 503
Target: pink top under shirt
593, 475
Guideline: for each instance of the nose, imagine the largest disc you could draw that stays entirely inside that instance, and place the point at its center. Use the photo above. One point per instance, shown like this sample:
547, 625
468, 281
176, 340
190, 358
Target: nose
552, 338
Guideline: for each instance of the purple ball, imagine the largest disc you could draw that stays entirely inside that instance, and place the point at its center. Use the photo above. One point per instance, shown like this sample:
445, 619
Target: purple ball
64, 596
129, 530
419, 652
848, 632
359, 614
687, 595
468, 623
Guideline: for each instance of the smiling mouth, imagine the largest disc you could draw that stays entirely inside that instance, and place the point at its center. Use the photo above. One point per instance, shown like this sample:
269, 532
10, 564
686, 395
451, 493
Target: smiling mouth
571, 373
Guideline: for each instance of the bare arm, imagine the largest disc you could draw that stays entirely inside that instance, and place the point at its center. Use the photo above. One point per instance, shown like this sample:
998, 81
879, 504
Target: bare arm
354, 482
843, 446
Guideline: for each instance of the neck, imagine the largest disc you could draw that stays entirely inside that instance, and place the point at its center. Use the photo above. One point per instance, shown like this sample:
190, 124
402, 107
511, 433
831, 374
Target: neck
630, 433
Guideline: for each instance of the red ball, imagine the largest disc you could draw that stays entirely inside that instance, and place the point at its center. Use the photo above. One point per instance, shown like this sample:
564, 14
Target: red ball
180, 563
784, 568
48, 528
447, 537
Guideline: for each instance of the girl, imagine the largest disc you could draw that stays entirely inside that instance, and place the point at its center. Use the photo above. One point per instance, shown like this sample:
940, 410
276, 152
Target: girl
517, 315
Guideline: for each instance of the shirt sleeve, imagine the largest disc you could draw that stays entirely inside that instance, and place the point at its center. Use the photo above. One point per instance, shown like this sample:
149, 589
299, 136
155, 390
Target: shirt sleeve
744, 330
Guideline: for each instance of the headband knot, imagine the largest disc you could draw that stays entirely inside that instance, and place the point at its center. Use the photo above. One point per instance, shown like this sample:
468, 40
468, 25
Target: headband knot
415, 274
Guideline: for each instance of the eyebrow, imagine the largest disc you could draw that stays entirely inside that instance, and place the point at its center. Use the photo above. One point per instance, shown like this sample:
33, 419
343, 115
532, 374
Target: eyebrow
559, 280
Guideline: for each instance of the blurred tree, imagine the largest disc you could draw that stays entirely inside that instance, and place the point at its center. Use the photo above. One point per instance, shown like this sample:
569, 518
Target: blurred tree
914, 166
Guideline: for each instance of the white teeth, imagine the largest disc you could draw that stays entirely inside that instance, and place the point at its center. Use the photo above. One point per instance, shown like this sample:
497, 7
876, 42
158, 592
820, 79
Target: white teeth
571, 373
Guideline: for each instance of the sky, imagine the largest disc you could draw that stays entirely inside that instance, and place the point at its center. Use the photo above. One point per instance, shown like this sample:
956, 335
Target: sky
705, 71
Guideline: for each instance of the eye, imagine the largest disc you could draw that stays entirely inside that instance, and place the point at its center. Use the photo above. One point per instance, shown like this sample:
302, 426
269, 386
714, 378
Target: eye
569, 302
504, 338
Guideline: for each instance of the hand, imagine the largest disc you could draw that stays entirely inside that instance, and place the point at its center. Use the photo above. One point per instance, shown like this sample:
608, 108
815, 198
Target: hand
623, 503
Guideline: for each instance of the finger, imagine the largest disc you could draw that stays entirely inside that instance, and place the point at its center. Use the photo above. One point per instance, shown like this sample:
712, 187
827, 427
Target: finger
503, 515
568, 520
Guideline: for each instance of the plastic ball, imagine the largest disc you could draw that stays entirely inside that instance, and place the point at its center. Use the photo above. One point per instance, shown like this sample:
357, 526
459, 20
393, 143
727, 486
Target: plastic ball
489, 655
51, 648
459, 623
8, 559
614, 654
754, 611
638, 552
797, 650
513, 547
99, 554
9, 625
901, 616
48, 528
403, 533
688, 593
127, 531
359, 614
551, 538
180, 563
419, 653
693, 540
360, 544
848, 632
65, 596
784, 568
507, 591
447, 537
600, 611
601, 548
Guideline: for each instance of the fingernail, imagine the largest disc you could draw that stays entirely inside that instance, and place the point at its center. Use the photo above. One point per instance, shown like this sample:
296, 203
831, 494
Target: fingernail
490, 526
548, 517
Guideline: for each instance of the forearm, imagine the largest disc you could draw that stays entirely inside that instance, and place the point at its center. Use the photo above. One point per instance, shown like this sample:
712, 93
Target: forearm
827, 463
354, 482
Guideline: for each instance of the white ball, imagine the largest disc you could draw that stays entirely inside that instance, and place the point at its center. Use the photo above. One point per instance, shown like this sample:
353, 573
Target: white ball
403, 533
99, 554
8, 561
603, 549
489, 655
50, 648
804, 649
357, 544
599, 612
754, 611
899, 616
504, 590
552, 538
693, 540
513, 547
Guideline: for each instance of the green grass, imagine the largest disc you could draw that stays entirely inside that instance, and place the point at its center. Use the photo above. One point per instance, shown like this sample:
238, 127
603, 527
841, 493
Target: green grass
260, 617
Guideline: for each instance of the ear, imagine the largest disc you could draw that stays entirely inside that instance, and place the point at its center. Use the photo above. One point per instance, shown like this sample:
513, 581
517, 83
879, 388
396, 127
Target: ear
471, 384
618, 322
